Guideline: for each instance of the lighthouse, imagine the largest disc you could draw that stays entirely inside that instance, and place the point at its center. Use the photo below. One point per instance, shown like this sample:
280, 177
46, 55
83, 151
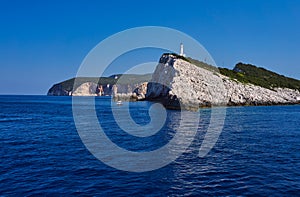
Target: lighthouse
181, 50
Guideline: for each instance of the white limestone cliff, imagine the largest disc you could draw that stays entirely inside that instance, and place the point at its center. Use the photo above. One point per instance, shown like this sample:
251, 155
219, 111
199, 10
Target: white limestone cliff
179, 84
86, 89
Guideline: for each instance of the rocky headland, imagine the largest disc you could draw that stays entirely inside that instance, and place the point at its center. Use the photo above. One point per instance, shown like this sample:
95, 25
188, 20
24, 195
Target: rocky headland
184, 83
177, 83
129, 87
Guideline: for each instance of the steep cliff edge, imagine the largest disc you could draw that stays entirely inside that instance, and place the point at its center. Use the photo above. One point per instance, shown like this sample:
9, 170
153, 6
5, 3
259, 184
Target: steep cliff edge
177, 83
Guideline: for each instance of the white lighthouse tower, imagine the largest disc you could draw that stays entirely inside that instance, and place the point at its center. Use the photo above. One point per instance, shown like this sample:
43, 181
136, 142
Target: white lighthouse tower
181, 50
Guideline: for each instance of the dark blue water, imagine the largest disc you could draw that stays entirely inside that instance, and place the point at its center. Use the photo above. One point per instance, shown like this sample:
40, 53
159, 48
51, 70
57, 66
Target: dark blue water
41, 153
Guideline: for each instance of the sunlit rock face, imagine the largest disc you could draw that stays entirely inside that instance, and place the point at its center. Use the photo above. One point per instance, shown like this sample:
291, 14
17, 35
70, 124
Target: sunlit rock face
136, 92
179, 84
86, 89
248, 94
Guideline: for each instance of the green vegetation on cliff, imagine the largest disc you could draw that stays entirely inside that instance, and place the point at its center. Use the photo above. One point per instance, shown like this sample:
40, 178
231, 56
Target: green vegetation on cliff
203, 65
247, 73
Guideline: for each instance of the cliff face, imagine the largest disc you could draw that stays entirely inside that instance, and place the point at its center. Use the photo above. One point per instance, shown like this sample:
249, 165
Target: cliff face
176, 82
93, 86
179, 84
86, 89
248, 94
119, 91
138, 93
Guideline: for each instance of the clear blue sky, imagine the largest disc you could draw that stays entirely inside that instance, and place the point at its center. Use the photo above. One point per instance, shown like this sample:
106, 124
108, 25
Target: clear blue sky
44, 42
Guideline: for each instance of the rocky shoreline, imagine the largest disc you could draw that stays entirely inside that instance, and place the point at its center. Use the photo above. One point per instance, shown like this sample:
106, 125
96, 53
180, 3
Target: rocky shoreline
179, 84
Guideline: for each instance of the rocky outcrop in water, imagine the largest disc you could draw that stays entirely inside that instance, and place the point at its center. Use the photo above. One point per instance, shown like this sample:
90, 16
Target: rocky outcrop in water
179, 84
138, 93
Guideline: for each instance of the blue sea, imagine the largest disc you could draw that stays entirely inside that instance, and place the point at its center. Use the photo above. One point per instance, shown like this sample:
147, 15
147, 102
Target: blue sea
257, 152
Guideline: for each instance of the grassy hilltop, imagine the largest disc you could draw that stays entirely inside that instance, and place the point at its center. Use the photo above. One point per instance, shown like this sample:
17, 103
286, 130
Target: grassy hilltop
248, 73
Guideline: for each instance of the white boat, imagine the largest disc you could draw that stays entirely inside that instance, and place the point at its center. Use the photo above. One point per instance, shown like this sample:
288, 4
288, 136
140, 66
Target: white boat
119, 103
